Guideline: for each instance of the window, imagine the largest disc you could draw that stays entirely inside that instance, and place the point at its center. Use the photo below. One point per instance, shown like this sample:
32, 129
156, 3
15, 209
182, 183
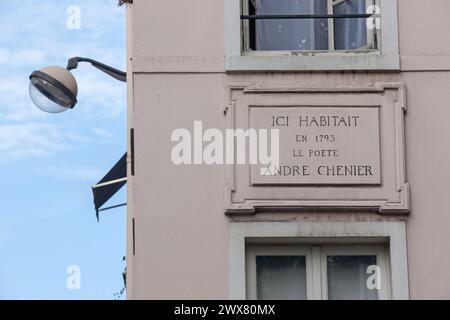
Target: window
333, 272
305, 35
303, 27
279, 273
316, 241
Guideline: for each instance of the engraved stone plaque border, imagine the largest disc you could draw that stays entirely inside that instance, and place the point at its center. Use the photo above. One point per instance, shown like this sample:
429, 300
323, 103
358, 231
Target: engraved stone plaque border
391, 196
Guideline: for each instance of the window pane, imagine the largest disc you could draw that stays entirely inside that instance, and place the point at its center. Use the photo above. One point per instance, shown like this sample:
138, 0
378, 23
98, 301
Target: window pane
347, 278
350, 34
291, 34
281, 277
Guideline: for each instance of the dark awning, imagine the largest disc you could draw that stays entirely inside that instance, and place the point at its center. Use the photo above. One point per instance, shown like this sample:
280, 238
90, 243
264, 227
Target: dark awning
115, 179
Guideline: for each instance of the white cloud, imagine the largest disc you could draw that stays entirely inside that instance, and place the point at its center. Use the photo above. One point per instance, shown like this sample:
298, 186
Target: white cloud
28, 56
43, 39
99, 37
29, 140
102, 133
99, 95
36, 38
15, 103
4, 56
21, 57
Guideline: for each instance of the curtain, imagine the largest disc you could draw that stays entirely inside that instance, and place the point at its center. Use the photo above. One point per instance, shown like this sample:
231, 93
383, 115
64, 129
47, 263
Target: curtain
350, 34
347, 278
291, 34
308, 34
281, 277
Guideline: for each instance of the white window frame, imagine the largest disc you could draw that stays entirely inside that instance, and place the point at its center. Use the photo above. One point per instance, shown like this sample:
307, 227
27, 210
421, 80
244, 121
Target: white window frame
386, 57
316, 265
384, 233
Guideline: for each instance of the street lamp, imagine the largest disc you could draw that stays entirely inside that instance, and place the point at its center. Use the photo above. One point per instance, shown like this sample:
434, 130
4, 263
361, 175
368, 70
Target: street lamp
54, 89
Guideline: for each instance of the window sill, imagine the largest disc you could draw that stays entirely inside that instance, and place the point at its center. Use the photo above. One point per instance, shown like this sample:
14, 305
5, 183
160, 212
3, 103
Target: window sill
312, 61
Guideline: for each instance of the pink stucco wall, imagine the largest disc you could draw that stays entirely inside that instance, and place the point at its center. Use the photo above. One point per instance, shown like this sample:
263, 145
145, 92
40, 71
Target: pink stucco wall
176, 67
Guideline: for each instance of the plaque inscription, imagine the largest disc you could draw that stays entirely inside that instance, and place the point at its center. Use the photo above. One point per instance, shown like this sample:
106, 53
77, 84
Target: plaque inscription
321, 145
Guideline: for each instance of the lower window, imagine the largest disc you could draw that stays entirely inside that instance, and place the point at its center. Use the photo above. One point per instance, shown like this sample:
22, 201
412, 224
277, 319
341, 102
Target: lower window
334, 272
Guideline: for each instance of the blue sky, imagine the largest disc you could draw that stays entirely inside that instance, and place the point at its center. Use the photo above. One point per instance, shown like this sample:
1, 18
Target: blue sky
48, 163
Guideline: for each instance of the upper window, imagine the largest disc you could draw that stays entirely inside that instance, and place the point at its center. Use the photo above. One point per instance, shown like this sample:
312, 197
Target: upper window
311, 35
309, 25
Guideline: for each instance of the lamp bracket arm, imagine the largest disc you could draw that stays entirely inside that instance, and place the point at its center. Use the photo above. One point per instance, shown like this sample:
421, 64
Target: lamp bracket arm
115, 73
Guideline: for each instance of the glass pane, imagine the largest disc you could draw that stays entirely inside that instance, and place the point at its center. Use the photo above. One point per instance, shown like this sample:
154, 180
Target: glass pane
291, 34
350, 34
348, 278
281, 277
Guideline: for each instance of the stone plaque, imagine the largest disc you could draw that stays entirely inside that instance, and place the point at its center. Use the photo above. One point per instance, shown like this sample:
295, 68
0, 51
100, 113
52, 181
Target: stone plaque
339, 148
321, 145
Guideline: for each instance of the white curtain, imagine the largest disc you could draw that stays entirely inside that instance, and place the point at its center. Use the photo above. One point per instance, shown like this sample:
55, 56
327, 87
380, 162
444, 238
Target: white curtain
291, 34
308, 34
347, 278
350, 34
281, 277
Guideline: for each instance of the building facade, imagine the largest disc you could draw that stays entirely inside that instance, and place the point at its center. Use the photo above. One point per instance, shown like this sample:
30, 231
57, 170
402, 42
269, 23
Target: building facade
355, 206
